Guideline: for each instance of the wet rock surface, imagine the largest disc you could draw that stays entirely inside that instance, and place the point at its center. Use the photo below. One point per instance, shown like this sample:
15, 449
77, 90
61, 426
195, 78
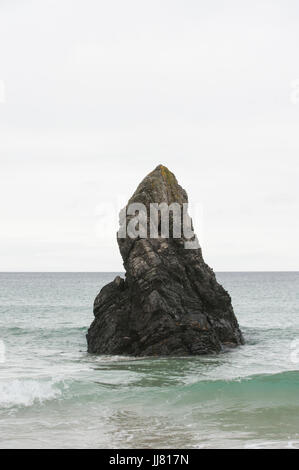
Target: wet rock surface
170, 303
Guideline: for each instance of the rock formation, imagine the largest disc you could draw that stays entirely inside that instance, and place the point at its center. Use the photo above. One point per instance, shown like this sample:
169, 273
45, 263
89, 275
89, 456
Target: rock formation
169, 302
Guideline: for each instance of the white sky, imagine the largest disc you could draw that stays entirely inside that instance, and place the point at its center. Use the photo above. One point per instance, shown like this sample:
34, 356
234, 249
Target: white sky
97, 93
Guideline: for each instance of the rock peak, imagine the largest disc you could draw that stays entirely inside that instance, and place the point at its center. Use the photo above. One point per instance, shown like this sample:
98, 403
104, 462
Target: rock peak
170, 302
160, 185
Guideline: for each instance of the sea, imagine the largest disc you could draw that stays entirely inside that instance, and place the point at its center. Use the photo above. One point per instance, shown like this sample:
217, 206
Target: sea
53, 394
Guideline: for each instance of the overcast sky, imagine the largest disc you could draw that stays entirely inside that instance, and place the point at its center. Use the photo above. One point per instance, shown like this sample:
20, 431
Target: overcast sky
98, 93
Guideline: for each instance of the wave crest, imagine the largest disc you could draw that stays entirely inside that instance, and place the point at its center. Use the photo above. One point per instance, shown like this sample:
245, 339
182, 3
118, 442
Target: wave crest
26, 392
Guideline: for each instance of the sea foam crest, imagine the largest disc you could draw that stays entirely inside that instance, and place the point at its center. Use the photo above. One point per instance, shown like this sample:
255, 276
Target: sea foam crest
2, 351
26, 392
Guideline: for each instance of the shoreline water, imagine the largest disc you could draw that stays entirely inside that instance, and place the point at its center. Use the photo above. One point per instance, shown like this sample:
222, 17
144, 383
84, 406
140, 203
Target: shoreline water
54, 394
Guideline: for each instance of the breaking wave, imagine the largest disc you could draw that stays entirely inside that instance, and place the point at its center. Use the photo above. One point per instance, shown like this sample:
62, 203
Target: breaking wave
26, 392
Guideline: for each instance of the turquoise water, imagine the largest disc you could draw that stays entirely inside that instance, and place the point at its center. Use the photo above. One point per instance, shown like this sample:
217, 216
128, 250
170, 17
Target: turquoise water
54, 394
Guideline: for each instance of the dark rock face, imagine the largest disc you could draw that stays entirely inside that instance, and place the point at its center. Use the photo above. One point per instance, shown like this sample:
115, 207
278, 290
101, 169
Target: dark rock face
169, 302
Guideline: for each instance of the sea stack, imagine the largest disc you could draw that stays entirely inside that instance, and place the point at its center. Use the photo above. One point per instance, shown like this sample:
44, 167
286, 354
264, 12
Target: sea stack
169, 303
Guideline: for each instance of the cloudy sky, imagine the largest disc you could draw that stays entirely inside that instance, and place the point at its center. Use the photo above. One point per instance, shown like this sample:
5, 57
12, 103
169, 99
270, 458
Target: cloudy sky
95, 94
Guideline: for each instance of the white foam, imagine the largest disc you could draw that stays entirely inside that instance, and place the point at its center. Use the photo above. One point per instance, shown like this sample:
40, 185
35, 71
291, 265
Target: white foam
2, 351
26, 392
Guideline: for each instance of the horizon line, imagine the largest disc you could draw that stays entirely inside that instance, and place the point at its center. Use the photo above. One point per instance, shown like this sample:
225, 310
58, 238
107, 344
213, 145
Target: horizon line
121, 271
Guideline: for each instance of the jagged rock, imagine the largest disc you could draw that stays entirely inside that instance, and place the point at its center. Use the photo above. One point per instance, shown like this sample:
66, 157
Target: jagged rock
169, 302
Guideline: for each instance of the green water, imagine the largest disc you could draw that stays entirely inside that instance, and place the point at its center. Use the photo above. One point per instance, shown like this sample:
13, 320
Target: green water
54, 394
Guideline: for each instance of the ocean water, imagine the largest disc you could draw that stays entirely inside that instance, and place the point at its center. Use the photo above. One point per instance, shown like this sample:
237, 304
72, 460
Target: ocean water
55, 395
